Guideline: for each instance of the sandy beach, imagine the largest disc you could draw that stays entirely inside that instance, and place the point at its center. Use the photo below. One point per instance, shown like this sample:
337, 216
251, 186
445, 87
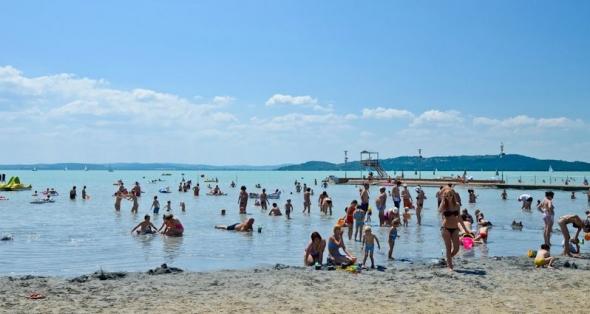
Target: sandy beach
501, 285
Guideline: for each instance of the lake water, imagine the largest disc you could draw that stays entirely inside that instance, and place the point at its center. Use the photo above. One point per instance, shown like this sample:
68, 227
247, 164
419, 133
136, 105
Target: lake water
74, 237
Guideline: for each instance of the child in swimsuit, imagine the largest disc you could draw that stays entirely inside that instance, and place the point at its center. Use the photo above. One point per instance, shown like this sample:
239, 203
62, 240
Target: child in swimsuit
482, 235
392, 236
369, 245
145, 227
406, 216
288, 209
359, 222
168, 206
156, 205
544, 258
275, 211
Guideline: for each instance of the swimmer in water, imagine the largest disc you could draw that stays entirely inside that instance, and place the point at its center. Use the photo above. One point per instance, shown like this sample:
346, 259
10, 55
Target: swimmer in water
145, 227
245, 226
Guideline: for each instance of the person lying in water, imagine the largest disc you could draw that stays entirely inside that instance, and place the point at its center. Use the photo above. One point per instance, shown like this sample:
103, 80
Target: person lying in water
245, 226
145, 227
171, 226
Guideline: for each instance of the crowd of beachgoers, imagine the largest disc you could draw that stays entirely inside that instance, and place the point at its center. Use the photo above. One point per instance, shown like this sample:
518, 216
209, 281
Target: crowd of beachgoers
458, 226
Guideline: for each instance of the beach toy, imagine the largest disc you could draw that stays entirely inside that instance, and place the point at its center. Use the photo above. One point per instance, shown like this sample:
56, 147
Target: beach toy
467, 243
531, 253
587, 236
539, 262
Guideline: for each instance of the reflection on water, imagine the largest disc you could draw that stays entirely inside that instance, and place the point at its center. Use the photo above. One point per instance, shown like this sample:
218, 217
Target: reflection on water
75, 237
172, 247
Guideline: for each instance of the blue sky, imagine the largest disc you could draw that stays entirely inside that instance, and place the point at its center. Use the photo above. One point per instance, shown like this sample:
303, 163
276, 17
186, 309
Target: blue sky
268, 82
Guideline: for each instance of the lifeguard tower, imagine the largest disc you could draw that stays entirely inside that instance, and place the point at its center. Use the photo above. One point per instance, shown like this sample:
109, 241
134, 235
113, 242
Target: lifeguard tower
370, 160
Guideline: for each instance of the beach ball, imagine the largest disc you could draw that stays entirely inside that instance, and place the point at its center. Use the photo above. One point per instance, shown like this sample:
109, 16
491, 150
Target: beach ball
587, 237
531, 253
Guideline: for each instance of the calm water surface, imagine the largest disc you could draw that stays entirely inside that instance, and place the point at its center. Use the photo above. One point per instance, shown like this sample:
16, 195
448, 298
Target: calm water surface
73, 237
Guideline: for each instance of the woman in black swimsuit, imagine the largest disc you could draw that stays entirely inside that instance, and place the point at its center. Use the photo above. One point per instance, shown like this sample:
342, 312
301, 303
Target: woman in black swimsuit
449, 209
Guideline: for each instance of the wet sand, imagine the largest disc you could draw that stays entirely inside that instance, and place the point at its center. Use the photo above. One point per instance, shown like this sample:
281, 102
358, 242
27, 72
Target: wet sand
501, 285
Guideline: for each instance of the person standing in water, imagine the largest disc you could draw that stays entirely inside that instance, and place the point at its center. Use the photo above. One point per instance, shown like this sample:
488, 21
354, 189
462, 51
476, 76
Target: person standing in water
407, 197
307, 200
381, 203
288, 209
419, 204
395, 194
548, 210
156, 205
264, 200
504, 195
135, 206
84, 195
365, 197
196, 190
118, 198
243, 199
73, 193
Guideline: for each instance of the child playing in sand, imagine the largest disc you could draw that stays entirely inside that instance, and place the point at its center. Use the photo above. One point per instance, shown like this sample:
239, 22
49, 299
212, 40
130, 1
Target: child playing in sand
544, 258
359, 222
369, 245
275, 211
406, 216
145, 227
391, 237
288, 209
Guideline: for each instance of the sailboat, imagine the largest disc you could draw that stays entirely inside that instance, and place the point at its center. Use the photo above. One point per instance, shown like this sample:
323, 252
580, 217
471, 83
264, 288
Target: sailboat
34, 168
550, 168
85, 168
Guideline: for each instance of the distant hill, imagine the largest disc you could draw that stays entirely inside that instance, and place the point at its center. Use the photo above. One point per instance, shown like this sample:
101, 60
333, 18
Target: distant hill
134, 166
510, 162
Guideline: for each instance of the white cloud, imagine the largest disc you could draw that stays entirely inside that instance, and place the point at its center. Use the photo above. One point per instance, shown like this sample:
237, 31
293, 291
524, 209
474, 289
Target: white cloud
524, 121
386, 113
280, 99
437, 117
298, 101
223, 100
65, 96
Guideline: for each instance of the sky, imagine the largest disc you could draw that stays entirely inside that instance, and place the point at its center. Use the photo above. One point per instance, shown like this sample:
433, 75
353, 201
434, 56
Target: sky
274, 82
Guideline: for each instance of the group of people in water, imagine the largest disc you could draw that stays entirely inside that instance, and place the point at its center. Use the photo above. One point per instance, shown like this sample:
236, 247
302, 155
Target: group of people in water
456, 223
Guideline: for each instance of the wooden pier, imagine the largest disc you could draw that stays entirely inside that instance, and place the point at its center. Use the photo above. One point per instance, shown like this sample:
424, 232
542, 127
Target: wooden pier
495, 184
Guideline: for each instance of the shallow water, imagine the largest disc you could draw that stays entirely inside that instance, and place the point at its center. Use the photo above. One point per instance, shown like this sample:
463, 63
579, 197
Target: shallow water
74, 237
